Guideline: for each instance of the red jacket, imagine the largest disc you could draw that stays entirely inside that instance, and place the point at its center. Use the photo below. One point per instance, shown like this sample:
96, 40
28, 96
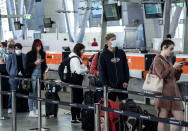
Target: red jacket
94, 69
94, 43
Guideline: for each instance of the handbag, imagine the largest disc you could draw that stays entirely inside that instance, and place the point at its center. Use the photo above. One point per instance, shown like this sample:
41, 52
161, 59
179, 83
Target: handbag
27, 86
153, 83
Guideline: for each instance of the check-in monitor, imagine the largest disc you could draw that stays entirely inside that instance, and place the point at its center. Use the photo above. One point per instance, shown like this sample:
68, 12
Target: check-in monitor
153, 10
112, 12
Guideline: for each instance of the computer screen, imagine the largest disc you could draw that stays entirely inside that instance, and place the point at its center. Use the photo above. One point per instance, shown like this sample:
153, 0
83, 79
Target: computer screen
111, 12
154, 10
97, 12
47, 23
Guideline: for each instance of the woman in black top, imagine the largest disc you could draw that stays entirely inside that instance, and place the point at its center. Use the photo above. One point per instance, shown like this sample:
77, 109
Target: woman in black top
36, 66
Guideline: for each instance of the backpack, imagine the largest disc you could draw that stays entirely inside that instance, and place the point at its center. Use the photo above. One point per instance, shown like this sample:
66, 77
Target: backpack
130, 123
89, 61
64, 69
113, 117
148, 125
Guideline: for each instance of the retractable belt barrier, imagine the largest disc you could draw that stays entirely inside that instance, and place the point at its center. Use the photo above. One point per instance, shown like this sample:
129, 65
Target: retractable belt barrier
94, 88
185, 98
126, 113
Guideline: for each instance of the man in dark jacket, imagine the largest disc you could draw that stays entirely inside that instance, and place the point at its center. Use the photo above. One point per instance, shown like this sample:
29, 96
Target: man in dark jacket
113, 67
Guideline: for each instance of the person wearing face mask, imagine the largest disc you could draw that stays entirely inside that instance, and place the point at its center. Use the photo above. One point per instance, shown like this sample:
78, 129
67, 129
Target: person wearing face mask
15, 66
35, 68
4, 81
113, 68
3, 52
78, 70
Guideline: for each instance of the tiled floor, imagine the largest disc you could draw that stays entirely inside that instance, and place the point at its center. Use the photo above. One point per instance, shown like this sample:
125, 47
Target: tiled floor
24, 123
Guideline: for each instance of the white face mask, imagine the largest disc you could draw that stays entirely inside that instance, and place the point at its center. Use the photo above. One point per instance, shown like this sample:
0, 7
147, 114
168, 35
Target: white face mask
114, 43
18, 52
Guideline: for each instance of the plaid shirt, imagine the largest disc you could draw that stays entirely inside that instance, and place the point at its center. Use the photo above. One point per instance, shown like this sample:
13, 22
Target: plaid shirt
4, 53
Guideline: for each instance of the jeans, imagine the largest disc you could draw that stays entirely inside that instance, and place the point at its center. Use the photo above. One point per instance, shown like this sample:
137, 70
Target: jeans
13, 86
35, 75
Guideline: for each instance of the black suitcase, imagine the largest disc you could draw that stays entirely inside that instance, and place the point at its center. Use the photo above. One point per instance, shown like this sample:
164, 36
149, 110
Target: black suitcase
88, 115
87, 120
90, 98
51, 109
21, 103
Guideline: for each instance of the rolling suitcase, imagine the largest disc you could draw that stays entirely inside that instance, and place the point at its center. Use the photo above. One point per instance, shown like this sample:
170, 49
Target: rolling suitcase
51, 109
52, 93
87, 120
21, 103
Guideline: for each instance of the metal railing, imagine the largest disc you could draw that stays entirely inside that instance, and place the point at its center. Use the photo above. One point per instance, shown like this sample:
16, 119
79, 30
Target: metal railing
97, 108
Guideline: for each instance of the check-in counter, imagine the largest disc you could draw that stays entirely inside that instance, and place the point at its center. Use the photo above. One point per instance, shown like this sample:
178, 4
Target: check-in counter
139, 63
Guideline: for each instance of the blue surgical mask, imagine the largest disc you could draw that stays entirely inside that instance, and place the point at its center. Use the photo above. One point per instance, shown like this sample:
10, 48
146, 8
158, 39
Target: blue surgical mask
18, 52
114, 43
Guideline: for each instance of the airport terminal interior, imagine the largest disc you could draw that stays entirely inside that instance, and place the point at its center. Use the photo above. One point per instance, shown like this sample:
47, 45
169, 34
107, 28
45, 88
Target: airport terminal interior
93, 65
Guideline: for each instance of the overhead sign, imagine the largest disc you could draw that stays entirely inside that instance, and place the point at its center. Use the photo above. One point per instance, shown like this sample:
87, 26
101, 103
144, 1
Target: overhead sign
27, 16
181, 4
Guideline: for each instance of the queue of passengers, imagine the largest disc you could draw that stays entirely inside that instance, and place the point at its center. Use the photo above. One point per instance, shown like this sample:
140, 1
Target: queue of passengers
32, 65
111, 67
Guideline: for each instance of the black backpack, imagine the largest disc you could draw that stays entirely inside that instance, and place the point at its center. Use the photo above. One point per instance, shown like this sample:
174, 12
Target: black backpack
89, 61
66, 77
134, 123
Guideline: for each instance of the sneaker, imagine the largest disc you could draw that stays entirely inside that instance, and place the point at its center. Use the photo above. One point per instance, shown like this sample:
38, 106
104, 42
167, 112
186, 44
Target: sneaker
9, 111
75, 121
32, 114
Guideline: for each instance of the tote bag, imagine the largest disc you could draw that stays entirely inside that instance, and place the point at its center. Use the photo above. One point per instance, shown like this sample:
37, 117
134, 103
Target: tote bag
153, 83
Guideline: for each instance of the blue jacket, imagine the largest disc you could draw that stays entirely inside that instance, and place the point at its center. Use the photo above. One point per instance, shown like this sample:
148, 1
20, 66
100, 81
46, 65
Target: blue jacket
113, 68
11, 64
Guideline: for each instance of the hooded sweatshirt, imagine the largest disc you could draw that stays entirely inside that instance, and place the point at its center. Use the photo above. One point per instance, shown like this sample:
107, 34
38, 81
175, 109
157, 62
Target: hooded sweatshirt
76, 66
113, 67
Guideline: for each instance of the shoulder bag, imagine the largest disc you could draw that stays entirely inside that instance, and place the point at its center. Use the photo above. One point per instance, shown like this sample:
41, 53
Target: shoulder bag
153, 83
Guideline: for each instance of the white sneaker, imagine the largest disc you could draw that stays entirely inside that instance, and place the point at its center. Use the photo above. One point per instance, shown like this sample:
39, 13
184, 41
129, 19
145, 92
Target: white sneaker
9, 111
36, 112
32, 114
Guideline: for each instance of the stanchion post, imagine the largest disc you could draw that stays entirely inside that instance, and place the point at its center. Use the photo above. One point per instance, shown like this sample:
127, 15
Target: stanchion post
14, 127
186, 113
97, 117
1, 104
106, 105
39, 105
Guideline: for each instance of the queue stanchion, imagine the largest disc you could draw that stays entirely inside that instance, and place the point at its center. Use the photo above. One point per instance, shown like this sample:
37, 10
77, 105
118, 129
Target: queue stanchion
97, 117
106, 105
40, 128
14, 127
186, 112
39, 105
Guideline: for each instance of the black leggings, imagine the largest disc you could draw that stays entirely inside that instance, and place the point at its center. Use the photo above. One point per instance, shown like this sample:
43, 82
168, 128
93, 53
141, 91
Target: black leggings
114, 95
77, 96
